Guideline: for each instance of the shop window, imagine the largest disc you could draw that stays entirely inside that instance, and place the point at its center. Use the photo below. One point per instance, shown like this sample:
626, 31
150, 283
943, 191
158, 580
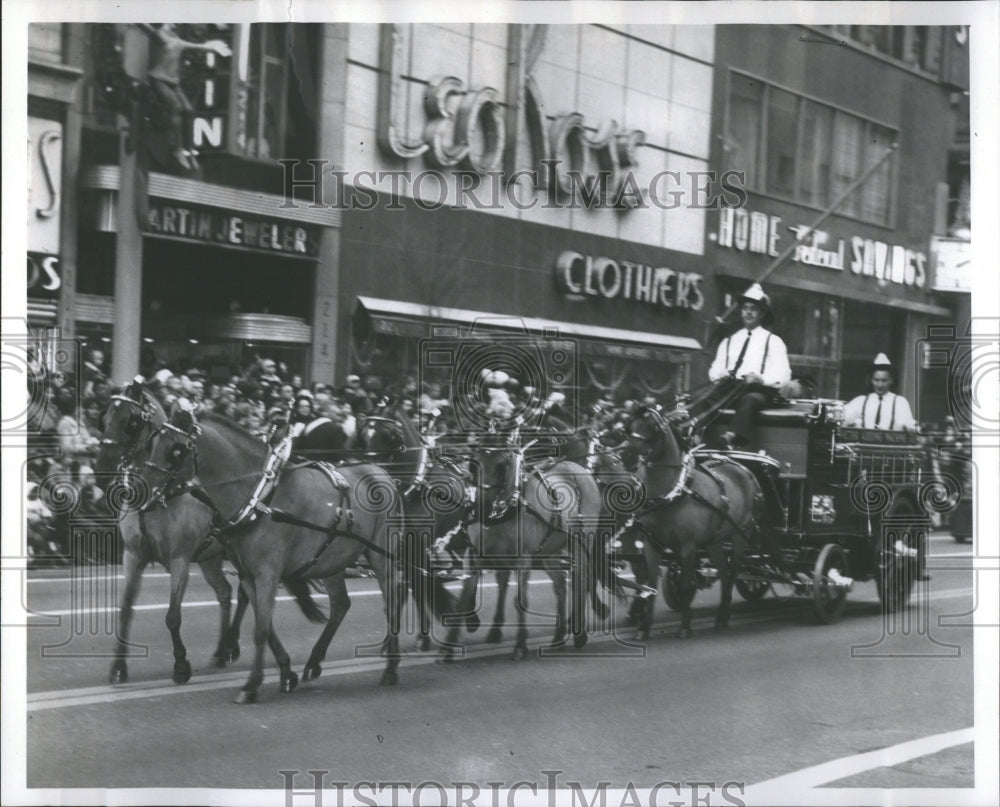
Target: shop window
782, 125
279, 87
916, 46
812, 152
848, 144
743, 141
874, 194
814, 164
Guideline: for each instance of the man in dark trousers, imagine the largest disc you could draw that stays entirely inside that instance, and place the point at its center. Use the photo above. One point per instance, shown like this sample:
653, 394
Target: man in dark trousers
756, 356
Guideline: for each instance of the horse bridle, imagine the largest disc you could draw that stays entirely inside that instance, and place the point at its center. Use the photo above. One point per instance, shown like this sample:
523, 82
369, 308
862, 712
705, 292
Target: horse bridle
186, 445
129, 449
650, 445
397, 432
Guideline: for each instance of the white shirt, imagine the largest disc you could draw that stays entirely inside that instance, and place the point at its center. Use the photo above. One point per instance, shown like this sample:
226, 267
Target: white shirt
766, 355
895, 412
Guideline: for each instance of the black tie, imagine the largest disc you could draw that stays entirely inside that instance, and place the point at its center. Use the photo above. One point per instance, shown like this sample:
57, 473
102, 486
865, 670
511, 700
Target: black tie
878, 413
743, 352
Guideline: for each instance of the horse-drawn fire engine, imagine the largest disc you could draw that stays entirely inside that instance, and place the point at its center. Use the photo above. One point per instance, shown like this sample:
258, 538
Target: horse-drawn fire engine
837, 506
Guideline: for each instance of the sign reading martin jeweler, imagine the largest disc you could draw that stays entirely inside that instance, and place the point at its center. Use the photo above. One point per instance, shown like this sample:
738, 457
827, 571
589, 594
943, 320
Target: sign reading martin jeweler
213, 226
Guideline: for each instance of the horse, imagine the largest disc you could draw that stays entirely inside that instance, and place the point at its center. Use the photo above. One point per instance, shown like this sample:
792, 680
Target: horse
302, 527
693, 506
599, 449
543, 519
433, 493
166, 534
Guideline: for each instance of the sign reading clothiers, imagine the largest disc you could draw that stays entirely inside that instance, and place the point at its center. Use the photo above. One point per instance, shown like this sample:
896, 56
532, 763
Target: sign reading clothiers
206, 225
578, 274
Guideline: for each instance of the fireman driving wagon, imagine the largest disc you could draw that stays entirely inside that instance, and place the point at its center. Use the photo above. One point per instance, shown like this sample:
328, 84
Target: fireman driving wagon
835, 506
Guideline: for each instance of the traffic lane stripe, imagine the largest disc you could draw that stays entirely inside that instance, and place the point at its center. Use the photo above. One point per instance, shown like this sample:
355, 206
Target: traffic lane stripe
774, 791
53, 699
323, 598
936, 537
203, 603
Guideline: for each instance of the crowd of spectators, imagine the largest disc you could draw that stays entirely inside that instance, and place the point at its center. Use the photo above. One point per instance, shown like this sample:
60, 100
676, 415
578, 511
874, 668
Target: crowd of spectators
66, 428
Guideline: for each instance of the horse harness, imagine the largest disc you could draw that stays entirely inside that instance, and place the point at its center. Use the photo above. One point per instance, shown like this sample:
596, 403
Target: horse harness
520, 502
682, 488
258, 504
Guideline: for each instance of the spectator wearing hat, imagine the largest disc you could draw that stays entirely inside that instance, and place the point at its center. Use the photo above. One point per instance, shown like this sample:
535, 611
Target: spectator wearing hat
304, 408
356, 396
93, 370
75, 440
881, 408
755, 355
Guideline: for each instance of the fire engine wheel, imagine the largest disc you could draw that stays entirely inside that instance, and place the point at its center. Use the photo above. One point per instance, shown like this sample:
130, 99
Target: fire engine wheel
670, 586
752, 590
897, 566
829, 596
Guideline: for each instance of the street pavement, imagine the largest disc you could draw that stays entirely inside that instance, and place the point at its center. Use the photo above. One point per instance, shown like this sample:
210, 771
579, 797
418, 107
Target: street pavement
775, 694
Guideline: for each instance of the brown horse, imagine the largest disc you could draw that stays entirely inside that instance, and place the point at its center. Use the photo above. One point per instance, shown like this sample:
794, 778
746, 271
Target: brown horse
693, 507
167, 534
435, 502
534, 519
313, 526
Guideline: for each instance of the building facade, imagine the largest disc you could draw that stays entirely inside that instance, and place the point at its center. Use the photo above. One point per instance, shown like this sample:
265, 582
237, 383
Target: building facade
346, 192
525, 159
808, 114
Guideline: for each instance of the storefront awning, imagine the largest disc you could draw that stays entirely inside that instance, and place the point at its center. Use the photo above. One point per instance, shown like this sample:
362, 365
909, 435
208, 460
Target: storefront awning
400, 318
874, 296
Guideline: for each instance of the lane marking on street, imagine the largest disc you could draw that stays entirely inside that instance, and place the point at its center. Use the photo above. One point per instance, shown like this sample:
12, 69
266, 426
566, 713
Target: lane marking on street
110, 609
33, 581
65, 698
935, 538
321, 597
819, 775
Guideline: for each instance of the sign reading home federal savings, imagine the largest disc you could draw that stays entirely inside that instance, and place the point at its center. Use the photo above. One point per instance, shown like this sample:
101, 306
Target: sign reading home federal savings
213, 226
752, 231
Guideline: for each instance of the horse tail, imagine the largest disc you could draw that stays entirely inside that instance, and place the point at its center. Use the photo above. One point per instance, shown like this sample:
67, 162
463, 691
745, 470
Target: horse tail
302, 592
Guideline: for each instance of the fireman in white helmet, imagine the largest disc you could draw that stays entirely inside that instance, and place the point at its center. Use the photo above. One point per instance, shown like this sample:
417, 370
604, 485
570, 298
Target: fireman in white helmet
881, 408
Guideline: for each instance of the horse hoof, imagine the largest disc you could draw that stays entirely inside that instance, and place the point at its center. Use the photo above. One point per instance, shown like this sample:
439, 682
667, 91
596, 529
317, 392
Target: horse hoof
495, 636
245, 696
182, 672
311, 672
579, 640
233, 654
447, 656
389, 678
288, 684
472, 623
423, 644
685, 633
219, 660
520, 653
119, 673
641, 636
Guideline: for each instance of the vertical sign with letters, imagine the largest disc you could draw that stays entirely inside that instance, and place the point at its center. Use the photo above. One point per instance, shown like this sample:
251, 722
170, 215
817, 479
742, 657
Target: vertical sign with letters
45, 144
